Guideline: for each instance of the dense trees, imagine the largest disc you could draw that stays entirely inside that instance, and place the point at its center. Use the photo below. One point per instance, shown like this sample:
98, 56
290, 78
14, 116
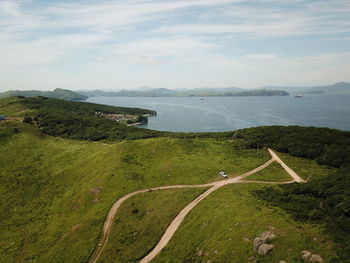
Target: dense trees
326, 201
326, 146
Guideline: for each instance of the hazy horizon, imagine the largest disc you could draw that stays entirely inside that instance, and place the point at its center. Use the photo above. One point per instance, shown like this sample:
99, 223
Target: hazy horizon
173, 44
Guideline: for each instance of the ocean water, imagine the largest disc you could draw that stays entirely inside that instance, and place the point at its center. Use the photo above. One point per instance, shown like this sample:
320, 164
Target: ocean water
191, 114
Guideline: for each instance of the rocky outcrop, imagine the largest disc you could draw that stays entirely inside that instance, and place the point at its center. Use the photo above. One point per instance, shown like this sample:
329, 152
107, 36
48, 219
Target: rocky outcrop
307, 256
261, 243
264, 249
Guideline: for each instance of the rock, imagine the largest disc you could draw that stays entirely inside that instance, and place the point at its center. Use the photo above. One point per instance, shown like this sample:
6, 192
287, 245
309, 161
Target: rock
305, 255
315, 258
282, 261
209, 261
267, 236
264, 249
216, 252
257, 243
200, 253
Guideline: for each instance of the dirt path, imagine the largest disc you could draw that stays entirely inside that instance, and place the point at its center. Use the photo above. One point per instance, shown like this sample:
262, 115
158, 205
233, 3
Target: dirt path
295, 176
174, 225
24, 232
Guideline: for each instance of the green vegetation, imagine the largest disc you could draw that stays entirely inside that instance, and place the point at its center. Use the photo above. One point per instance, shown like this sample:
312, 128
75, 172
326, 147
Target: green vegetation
325, 201
223, 226
273, 173
61, 190
307, 169
326, 146
56, 93
11, 243
142, 221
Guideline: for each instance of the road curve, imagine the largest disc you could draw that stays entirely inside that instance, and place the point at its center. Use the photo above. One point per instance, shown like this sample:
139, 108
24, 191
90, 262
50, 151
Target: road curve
295, 176
182, 214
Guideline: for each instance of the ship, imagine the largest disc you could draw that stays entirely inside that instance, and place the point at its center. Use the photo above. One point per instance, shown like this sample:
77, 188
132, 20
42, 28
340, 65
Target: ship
298, 96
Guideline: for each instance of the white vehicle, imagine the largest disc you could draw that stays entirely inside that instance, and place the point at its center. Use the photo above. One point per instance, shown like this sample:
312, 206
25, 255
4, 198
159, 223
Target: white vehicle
223, 174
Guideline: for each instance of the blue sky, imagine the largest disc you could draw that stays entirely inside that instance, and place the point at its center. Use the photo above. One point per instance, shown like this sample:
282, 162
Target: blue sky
128, 44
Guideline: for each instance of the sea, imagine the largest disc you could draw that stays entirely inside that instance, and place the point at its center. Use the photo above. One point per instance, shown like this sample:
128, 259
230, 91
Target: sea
213, 114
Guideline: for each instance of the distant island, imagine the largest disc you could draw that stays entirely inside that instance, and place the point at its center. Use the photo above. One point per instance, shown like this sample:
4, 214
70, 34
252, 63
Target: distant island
56, 93
205, 92
337, 88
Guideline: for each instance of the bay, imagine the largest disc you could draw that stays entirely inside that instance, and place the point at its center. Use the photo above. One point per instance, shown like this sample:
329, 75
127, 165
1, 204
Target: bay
210, 114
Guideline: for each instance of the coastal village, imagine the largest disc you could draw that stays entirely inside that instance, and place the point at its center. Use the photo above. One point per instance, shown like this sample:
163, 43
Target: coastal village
128, 119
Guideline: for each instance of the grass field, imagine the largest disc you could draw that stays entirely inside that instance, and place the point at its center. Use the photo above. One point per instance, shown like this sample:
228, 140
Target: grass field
273, 173
61, 190
223, 226
306, 168
141, 222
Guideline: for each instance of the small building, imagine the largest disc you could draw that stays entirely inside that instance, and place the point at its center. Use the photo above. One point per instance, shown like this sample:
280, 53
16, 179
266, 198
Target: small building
223, 174
2, 117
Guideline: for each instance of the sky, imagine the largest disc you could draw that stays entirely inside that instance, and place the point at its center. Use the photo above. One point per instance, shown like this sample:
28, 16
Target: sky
127, 44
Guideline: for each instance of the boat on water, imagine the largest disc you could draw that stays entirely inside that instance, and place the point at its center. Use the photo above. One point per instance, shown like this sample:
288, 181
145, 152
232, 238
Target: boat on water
298, 96
202, 98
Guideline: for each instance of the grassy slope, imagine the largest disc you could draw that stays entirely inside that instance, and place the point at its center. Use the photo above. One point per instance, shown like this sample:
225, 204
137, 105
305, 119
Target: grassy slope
273, 173
306, 167
141, 222
10, 106
11, 241
225, 224
60, 190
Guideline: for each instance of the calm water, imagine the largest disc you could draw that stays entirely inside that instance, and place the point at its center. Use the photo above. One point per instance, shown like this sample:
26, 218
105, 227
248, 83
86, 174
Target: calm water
230, 113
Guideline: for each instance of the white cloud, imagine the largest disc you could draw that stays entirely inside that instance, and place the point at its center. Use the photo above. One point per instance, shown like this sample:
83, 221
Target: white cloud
10, 8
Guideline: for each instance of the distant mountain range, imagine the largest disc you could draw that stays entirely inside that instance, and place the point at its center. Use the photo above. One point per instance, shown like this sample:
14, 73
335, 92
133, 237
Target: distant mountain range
337, 88
57, 93
205, 92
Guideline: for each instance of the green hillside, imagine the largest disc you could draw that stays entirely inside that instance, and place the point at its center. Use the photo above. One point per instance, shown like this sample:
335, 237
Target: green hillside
56, 93
57, 190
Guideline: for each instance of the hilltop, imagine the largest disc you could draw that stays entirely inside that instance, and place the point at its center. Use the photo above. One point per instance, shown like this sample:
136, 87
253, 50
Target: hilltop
56, 93
65, 166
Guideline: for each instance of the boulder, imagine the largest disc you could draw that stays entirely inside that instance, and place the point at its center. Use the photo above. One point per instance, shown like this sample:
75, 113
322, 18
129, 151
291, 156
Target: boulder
263, 238
200, 253
282, 261
267, 236
264, 249
257, 243
315, 258
305, 255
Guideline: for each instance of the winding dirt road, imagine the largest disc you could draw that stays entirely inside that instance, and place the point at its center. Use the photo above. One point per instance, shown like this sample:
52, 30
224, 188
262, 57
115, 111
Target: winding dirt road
174, 225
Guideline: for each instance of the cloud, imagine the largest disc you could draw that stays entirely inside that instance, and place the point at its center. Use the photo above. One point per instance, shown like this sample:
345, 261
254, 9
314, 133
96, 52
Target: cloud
162, 40
10, 8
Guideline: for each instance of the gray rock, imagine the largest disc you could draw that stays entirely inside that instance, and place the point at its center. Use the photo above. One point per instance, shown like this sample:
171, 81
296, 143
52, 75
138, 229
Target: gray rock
315, 258
305, 255
282, 261
267, 236
200, 253
263, 238
264, 249
257, 243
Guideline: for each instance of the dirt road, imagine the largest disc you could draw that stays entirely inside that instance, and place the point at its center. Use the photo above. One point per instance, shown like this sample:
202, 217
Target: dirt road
174, 225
